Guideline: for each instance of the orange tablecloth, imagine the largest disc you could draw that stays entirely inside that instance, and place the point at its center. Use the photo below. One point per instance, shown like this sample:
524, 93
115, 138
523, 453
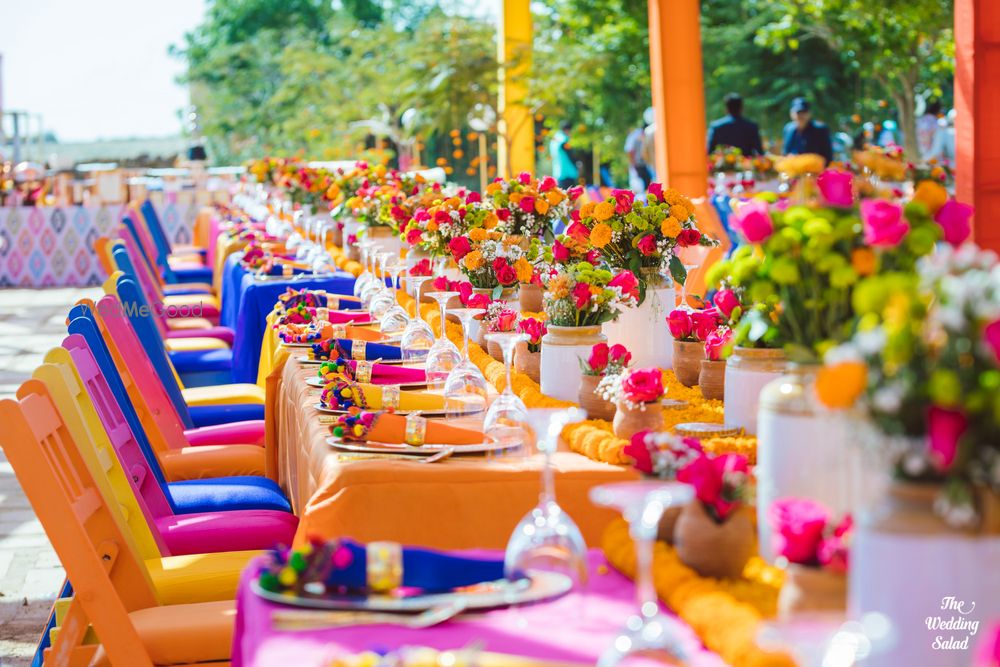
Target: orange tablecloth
459, 503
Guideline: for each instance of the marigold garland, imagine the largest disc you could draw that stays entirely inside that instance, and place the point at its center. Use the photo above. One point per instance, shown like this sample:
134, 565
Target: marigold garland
725, 614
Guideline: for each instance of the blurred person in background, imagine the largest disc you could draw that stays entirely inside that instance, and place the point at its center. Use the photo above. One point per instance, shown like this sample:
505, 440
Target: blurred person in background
563, 166
928, 128
735, 130
804, 135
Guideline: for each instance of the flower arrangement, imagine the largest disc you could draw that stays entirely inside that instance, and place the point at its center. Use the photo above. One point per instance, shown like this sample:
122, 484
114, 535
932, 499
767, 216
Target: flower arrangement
804, 532
530, 207
584, 295
661, 455
572, 246
763, 167
643, 237
886, 163
490, 259
432, 228
634, 388
606, 360
926, 364
721, 483
501, 318
535, 330
807, 259
932, 170
468, 298
727, 160
693, 325
793, 166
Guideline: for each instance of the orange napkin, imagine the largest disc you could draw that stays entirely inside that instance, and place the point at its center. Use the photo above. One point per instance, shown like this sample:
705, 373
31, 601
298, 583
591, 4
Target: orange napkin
391, 429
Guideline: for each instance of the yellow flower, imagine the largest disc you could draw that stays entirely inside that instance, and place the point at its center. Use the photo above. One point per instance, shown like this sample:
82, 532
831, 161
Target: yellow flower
670, 227
600, 235
587, 210
863, 261
477, 234
932, 194
473, 261
524, 270
541, 206
491, 220
840, 385
516, 197
679, 211
604, 210
554, 197
432, 226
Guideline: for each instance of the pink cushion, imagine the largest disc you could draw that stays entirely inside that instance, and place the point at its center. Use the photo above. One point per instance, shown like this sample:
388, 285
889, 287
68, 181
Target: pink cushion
239, 530
208, 310
242, 433
224, 334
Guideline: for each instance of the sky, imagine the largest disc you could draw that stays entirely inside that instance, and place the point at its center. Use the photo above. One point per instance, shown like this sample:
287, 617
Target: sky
96, 69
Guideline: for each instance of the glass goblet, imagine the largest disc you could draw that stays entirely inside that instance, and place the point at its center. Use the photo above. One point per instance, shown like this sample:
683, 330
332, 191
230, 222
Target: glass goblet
650, 630
465, 389
418, 337
506, 421
395, 319
375, 284
366, 276
547, 537
385, 297
443, 355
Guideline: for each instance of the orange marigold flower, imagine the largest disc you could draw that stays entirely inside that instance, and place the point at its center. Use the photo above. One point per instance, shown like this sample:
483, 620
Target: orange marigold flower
554, 197
492, 188
477, 234
604, 210
516, 197
670, 227
524, 270
587, 210
680, 212
863, 261
932, 194
838, 386
541, 206
491, 220
432, 226
474, 260
600, 235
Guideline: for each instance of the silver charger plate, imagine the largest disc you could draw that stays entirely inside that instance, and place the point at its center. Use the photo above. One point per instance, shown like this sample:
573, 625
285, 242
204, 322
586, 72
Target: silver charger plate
423, 413
318, 382
422, 450
539, 586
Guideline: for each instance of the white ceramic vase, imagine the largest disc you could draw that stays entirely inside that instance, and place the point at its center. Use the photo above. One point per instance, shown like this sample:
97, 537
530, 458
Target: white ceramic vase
562, 349
748, 371
643, 329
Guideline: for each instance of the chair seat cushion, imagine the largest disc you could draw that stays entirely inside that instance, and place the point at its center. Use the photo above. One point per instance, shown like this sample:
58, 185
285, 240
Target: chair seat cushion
193, 342
198, 577
182, 323
192, 274
226, 531
224, 334
201, 361
243, 433
226, 494
225, 394
210, 415
212, 461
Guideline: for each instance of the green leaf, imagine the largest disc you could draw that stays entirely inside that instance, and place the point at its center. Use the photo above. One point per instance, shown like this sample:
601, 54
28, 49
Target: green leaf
497, 291
677, 270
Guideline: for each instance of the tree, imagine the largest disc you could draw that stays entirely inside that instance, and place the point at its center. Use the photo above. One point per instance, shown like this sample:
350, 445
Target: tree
907, 46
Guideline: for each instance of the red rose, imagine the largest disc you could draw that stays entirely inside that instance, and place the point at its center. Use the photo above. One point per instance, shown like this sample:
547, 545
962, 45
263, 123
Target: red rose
627, 283
527, 204
398, 214
478, 301
688, 237
560, 253
643, 385
503, 214
623, 201
638, 451
704, 322
575, 192
594, 256
655, 190
620, 354
473, 198
726, 301
798, 525
598, 360
442, 217
546, 184
680, 324
581, 295
413, 236
524, 177
647, 244
459, 247
578, 232
499, 263
506, 275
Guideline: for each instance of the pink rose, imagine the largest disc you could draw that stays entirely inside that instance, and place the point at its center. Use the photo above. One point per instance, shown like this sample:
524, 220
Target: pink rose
655, 190
575, 192
647, 245
503, 214
704, 322
534, 328
627, 283
560, 253
991, 335
638, 451
620, 354
598, 359
398, 214
643, 385
578, 232
413, 236
945, 428
507, 320
546, 184
527, 204
679, 322
464, 289
798, 525
593, 256
834, 551
442, 217
884, 222
506, 275
441, 284
954, 218
524, 177
726, 301
753, 221
688, 237
459, 246
716, 342
473, 198
623, 201
421, 215
581, 295
836, 187
478, 301
708, 475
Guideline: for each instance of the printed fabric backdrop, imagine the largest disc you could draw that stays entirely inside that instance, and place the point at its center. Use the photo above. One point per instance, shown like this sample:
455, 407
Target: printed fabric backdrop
53, 246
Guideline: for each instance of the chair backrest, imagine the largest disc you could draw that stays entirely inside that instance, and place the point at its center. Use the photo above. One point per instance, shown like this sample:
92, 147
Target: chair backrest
123, 260
85, 428
108, 578
133, 220
103, 253
121, 423
156, 229
130, 297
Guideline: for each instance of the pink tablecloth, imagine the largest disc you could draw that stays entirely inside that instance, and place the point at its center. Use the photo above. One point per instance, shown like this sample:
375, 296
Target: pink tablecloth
574, 628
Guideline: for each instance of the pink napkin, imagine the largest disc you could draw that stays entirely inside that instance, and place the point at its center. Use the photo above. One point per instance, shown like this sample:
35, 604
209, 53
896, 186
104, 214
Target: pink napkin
390, 374
345, 316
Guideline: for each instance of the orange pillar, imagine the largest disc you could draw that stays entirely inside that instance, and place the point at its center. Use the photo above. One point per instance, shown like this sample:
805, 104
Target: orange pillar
977, 97
679, 103
516, 127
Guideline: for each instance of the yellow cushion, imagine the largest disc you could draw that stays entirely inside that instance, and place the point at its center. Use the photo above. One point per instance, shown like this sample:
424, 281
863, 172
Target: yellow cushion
180, 344
184, 323
198, 577
224, 394
179, 300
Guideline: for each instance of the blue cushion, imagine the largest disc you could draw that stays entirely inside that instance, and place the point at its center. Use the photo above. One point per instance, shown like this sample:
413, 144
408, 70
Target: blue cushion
193, 274
210, 415
226, 493
180, 289
201, 361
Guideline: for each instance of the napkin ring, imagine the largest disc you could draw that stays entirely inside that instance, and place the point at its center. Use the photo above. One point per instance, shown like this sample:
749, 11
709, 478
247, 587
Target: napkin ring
338, 330
363, 371
416, 430
358, 350
384, 566
390, 397
332, 302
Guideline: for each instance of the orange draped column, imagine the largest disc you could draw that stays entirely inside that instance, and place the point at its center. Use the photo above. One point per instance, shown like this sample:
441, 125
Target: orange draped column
679, 102
516, 126
977, 98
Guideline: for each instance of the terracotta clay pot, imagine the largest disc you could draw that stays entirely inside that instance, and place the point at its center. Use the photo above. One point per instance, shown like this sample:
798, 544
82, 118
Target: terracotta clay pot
596, 407
668, 523
812, 589
687, 361
530, 296
712, 379
494, 350
337, 234
713, 549
628, 420
529, 363
353, 252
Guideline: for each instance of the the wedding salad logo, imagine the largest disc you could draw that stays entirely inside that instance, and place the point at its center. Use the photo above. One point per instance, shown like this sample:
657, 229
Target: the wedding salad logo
956, 622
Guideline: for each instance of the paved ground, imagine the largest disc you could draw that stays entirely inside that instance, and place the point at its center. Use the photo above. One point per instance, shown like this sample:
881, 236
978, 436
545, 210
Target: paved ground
31, 322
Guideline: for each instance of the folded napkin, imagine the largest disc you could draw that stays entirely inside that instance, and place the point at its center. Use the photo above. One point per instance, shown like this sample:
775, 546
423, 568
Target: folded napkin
396, 430
378, 567
344, 394
370, 373
322, 331
345, 348
316, 299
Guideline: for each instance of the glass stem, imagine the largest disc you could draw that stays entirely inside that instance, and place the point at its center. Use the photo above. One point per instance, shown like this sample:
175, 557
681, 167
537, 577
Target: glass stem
416, 297
465, 338
548, 494
443, 304
645, 591
508, 354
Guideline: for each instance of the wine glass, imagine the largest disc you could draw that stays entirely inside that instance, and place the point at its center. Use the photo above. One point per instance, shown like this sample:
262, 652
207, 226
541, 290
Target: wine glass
507, 418
691, 257
465, 389
418, 337
366, 276
643, 504
385, 297
443, 355
395, 319
547, 537
377, 281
